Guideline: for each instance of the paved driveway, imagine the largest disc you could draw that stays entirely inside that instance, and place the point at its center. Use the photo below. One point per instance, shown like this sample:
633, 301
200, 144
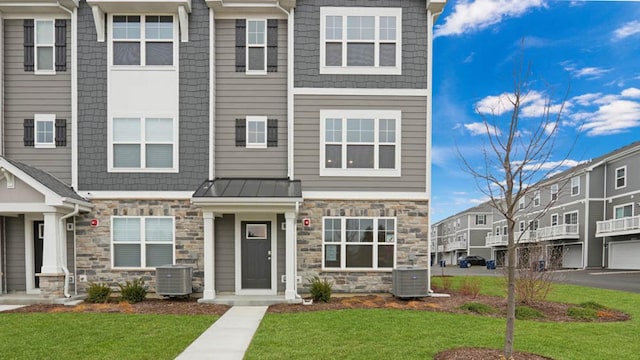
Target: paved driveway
598, 278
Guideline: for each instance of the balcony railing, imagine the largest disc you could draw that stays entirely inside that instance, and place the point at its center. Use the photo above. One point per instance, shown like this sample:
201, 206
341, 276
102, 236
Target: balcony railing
566, 231
454, 245
496, 240
627, 225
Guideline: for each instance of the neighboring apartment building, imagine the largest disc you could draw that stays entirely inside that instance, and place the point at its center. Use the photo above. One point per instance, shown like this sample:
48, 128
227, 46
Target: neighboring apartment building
586, 216
260, 142
462, 234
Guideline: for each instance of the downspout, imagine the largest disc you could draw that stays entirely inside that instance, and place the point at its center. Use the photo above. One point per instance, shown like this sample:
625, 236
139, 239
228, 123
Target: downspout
604, 213
587, 192
431, 18
3, 240
62, 235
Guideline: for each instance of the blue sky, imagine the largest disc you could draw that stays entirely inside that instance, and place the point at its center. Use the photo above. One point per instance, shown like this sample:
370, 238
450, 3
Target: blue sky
590, 48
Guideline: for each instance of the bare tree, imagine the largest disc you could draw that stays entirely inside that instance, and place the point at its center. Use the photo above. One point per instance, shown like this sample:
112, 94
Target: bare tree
516, 155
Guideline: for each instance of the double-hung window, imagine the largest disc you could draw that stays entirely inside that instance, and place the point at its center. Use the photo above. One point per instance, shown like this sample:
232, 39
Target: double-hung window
256, 46
360, 143
142, 40
44, 130
148, 144
256, 132
142, 242
360, 40
521, 203
621, 177
44, 46
571, 218
481, 219
623, 211
554, 192
359, 243
575, 186
554, 219
536, 198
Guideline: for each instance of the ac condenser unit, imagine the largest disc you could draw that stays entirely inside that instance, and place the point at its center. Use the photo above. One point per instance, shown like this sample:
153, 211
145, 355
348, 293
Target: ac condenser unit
173, 280
410, 282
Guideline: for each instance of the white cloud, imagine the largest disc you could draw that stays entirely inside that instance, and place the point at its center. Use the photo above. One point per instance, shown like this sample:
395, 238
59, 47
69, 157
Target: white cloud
552, 165
496, 105
586, 99
615, 117
633, 93
532, 104
479, 128
469, 58
629, 29
471, 16
586, 72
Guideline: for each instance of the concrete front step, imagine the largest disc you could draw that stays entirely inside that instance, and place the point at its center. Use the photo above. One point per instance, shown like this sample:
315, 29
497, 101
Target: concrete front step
31, 299
247, 300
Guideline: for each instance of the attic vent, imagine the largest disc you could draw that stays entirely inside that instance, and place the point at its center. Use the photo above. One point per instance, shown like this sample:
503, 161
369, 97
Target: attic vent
173, 280
410, 281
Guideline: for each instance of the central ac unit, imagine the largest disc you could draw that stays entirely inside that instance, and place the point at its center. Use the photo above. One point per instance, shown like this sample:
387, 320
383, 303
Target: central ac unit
410, 282
173, 280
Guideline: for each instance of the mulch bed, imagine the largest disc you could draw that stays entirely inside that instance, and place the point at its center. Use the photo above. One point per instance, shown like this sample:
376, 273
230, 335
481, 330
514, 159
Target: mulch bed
483, 354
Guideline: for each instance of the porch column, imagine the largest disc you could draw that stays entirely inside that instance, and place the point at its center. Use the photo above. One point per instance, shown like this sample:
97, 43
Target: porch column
290, 256
53, 245
209, 292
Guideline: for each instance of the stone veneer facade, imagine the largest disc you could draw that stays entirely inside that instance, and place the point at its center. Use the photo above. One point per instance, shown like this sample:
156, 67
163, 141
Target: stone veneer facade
412, 223
94, 243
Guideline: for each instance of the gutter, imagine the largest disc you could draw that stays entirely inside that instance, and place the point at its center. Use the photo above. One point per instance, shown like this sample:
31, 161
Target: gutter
62, 230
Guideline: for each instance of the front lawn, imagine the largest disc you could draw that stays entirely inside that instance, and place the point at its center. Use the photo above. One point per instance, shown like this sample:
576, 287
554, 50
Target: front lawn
97, 336
405, 334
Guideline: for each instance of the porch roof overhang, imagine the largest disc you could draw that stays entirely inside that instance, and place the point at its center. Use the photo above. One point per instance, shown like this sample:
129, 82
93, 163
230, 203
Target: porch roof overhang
249, 194
233, 8
56, 194
38, 7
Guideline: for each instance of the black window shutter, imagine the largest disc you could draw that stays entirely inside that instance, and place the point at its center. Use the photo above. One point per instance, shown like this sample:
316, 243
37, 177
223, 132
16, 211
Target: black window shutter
29, 50
272, 45
61, 132
61, 45
28, 132
241, 41
272, 132
241, 132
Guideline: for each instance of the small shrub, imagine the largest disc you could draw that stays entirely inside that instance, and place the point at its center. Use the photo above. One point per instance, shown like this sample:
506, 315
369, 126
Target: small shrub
133, 291
592, 305
527, 313
470, 287
580, 313
446, 283
478, 308
320, 289
98, 293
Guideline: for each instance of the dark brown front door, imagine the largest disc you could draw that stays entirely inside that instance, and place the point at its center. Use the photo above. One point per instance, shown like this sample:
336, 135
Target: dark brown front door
256, 254
38, 243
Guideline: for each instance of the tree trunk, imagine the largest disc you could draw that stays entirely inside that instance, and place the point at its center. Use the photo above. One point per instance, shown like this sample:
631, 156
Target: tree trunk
511, 293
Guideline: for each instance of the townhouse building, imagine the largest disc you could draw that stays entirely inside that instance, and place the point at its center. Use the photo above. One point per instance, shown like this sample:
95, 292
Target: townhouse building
259, 142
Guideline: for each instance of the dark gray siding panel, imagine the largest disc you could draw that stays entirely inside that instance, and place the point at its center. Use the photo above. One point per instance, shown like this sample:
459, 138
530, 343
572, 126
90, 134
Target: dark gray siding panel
594, 257
632, 179
596, 182
413, 147
193, 120
414, 47
239, 95
224, 240
15, 254
281, 252
26, 94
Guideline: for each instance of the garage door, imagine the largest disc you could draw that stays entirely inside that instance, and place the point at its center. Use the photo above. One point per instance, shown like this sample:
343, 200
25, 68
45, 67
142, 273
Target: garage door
572, 256
624, 255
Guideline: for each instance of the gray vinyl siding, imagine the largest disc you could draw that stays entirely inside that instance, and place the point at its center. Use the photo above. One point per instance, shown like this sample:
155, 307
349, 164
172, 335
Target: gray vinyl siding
594, 257
281, 248
193, 119
414, 47
477, 237
596, 183
225, 253
26, 94
633, 180
15, 253
239, 95
413, 143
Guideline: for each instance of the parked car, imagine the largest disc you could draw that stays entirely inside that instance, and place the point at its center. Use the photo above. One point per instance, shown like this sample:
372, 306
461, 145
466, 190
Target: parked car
475, 260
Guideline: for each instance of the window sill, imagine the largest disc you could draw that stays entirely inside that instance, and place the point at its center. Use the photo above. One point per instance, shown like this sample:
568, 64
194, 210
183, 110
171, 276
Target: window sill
138, 170
356, 270
255, 72
132, 269
143, 68
256, 146
44, 72
44, 146
361, 172
360, 70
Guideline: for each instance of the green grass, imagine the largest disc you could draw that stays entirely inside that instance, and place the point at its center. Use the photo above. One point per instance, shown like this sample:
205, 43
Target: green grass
97, 336
402, 334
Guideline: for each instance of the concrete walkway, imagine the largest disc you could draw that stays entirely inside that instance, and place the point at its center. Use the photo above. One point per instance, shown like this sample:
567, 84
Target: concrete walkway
10, 307
229, 337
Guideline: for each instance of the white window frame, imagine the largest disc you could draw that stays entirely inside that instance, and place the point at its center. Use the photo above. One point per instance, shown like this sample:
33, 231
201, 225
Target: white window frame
37, 46
344, 12
497, 230
142, 40
142, 143
481, 219
555, 219
623, 177
575, 184
521, 226
521, 203
41, 119
554, 192
622, 206
377, 115
375, 243
143, 242
564, 217
260, 120
536, 198
263, 45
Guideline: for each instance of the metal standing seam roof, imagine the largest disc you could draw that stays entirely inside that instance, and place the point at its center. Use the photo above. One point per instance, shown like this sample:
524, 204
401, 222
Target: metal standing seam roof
249, 188
48, 180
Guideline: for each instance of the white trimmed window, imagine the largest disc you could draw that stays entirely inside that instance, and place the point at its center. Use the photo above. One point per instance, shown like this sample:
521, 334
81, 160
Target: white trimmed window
44, 130
481, 219
360, 143
621, 177
521, 226
358, 243
521, 203
360, 40
143, 40
554, 219
148, 144
44, 46
575, 186
571, 218
623, 211
554, 192
536, 198
256, 46
142, 242
256, 132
